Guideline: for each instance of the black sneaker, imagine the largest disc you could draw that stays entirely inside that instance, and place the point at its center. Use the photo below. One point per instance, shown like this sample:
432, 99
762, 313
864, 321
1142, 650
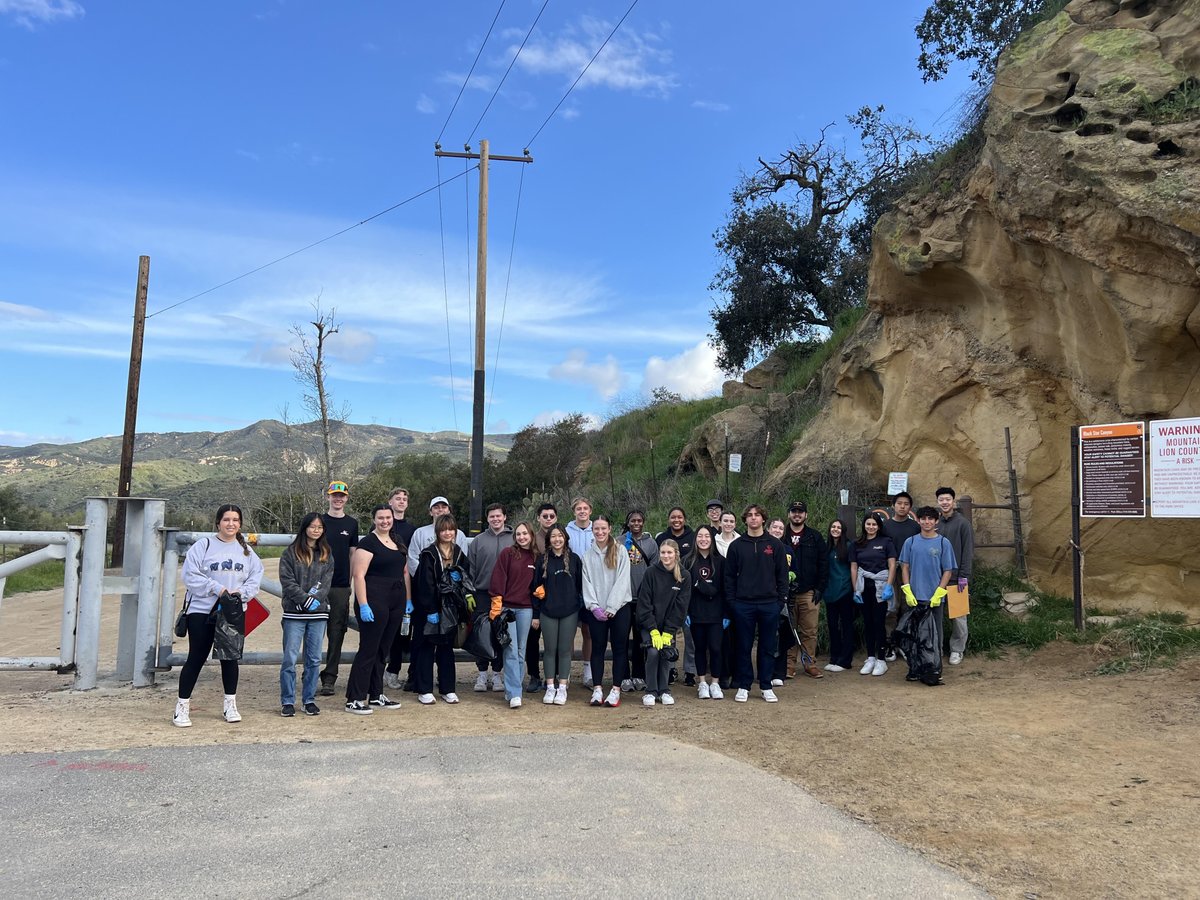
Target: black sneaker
382, 702
673, 677
358, 707
890, 656
288, 710
409, 686
311, 709
327, 686
690, 680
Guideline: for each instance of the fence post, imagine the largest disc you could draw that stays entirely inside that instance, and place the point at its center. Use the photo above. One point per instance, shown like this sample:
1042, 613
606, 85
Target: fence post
148, 593
965, 509
166, 614
91, 587
70, 618
135, 514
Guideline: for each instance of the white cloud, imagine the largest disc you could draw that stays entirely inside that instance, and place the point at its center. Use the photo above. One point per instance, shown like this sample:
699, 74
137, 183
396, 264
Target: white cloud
351, 345
630, 61
606, 377
710, 105
248, 154
426, 105
591, 421
693, 373
31, 13
13, 311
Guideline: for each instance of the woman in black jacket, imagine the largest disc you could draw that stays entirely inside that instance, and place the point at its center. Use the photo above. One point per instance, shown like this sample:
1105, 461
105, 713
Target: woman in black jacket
443, 596
707, 616
557, 599
662, 602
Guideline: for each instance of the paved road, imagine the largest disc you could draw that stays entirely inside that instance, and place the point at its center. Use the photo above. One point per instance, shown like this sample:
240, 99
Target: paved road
537, 815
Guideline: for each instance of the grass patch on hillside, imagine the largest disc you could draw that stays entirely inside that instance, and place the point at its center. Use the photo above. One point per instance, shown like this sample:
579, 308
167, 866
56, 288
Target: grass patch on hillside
44, 576
1180, 105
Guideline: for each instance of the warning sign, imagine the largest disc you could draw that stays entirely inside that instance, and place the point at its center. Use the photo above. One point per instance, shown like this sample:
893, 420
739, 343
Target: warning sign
1112, 470
1175, 468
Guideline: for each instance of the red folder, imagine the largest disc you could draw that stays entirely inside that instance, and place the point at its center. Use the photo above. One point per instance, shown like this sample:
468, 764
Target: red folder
256, 614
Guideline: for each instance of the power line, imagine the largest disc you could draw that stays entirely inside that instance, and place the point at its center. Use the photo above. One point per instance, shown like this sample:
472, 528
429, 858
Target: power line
471, 72
496, 93
446, 295
507, 280
529, 143
382, 212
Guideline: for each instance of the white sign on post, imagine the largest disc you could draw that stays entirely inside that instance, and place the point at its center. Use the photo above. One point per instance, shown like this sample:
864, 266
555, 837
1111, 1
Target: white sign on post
1175, 469
897, 482
735, 462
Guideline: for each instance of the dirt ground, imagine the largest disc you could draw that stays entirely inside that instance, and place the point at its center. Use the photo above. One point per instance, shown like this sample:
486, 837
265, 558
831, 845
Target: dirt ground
1028, 775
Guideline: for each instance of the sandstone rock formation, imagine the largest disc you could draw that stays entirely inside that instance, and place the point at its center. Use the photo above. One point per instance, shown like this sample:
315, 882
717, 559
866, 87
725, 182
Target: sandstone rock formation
1059, 287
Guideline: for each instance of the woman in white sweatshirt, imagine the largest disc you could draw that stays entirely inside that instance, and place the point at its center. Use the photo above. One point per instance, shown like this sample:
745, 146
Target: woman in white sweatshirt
221, 569
607, 592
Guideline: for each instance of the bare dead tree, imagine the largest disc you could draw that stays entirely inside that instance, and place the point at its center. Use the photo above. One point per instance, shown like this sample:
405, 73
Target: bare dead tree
312, 373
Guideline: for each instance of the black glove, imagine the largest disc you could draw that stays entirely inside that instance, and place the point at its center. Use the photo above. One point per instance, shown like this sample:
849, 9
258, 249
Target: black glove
816, 596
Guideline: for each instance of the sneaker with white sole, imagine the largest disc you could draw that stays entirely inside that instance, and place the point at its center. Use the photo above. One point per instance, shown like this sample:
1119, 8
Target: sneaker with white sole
667, 700
481, 683
229, 711
769, 695
183, 714
890, 656
382, 702
560, 695
639, 684
742, 695
715, 692
514, 703
497, 683
834, 667
648, 700
287, 710
449, 698
627, 685
868, 666
880, 667
597, 696
776, 682
425, 699
358, 707
955, 659
613, 700
549, 696
392, 680
702, 691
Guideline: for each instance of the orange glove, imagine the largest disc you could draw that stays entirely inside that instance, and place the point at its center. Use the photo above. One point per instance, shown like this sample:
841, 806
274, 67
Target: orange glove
497, 603
540, 592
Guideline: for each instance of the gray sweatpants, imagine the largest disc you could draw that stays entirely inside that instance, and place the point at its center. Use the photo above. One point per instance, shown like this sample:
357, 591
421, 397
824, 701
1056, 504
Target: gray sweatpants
559, 638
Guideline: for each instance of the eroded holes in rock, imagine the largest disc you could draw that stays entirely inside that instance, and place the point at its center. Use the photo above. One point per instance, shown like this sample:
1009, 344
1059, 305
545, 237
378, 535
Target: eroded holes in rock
1139, 136
1092, 129
1140, 176
1141, 10
1168, 149
1063, 76
926, 249
1069, 115
1070, 154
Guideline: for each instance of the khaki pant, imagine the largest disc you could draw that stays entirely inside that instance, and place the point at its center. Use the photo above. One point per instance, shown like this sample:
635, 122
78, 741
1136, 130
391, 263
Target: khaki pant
806, 613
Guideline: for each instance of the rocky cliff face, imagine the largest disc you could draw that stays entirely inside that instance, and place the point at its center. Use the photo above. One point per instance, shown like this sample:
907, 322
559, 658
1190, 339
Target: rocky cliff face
1060, 287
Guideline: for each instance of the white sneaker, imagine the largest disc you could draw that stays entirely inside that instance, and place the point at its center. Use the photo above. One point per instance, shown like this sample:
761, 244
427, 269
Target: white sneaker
742, 695
769, 696
715, 692
868, 666
550, 694
230, 710
834, 667
597, 696
425, 699
560, 695
702, 691
648, 700
587, 675
450, 697
776, 682
880, 667
183, 714
392, 680
481, 683
497, 682
668, 700
514, 703
613, 699
955, 659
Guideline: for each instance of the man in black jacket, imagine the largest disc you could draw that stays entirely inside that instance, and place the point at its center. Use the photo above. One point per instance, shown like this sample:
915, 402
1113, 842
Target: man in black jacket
810, 566
756, 587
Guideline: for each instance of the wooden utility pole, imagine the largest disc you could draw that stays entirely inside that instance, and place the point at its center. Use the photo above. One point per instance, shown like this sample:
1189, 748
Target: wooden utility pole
131, 403
475, 520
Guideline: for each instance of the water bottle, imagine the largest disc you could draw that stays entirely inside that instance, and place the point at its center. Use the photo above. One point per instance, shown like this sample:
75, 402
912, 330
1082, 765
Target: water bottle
406, 623
313, 602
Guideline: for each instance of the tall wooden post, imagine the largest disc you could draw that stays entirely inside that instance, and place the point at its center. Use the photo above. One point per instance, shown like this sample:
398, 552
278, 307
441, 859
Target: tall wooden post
125, 477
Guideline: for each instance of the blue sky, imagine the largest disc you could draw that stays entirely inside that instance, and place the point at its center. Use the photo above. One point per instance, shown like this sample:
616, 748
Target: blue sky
215, 137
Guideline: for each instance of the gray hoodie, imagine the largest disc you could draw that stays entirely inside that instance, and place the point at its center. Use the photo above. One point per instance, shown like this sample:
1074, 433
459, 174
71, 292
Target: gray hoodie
297, 579
485, 550
605, 588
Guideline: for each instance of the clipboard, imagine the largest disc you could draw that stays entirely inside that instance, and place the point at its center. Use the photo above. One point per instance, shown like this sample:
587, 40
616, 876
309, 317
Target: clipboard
959, 601
256, 614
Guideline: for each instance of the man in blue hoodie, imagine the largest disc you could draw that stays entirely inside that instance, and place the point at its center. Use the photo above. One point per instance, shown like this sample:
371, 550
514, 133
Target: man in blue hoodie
756, 588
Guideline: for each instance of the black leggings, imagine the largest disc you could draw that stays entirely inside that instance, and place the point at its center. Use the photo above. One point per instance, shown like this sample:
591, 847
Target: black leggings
614, 630
707, 638
201, 632
874, 616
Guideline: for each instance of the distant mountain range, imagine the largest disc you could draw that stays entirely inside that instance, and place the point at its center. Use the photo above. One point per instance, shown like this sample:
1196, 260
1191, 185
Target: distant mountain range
196, 468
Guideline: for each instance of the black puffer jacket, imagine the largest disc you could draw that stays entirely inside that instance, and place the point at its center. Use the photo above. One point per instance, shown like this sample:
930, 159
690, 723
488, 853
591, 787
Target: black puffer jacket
661, 601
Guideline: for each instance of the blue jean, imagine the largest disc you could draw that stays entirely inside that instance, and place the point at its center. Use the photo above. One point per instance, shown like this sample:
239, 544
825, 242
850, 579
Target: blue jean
514, 653
312, 633
764, 615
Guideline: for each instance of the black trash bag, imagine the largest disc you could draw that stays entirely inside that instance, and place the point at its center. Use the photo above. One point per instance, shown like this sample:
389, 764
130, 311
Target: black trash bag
229, 627
917, 638
452, 607
500, 629
480, 641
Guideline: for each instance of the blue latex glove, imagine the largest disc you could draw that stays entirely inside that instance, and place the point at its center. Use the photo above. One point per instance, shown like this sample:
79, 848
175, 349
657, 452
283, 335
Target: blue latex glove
724, 624
408, 608
858, 599
887, 594
311, 604
455, 576
365, 614
434, 618
687, 621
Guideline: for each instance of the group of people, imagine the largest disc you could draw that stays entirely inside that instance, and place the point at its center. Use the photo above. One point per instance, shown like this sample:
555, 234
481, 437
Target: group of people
633, 596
